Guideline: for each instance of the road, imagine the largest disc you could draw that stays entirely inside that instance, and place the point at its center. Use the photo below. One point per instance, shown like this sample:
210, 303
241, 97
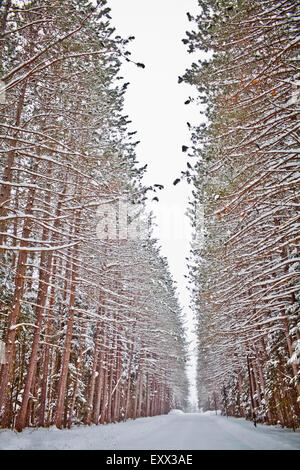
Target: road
189, 431
193, 431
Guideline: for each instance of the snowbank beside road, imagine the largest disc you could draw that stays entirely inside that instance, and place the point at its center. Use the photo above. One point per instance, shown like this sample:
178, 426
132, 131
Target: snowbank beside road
176, 412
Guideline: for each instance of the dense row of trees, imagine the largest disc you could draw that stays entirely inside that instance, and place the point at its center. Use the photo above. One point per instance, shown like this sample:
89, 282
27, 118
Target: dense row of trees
245, 273
91, 325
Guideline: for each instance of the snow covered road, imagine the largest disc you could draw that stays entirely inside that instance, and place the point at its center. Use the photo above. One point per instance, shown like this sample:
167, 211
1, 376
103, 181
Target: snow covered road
189, 431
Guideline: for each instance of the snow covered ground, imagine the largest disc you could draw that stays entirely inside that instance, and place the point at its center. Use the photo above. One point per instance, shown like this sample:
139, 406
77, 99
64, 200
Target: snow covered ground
182, 431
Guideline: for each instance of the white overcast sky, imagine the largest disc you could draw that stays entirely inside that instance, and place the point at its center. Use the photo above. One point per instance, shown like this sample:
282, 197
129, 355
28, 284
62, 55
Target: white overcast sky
155, 105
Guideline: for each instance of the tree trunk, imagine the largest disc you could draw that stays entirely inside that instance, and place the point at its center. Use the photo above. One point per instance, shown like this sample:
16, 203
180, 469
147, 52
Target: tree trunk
6, 374
104, 395
67, 351
93, 375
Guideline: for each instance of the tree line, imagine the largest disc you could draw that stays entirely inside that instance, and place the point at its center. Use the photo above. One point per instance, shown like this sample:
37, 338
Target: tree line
91, 324
244, 274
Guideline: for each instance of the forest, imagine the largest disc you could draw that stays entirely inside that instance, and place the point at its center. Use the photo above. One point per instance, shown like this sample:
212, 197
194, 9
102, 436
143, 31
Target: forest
91, 327
245, 275
90, 320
